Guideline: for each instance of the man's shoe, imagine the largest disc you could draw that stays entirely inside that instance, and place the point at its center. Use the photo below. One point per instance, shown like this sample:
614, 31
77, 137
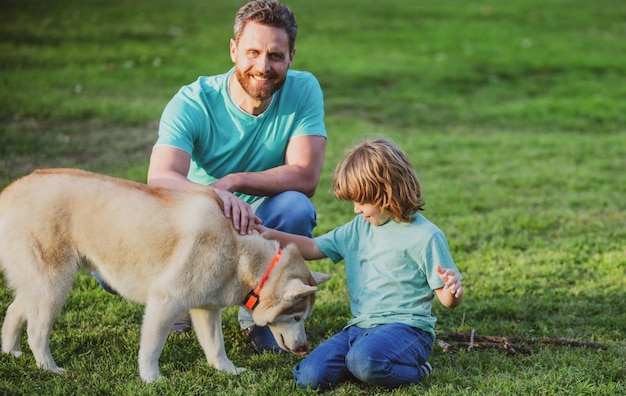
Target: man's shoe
182, 324
261, 339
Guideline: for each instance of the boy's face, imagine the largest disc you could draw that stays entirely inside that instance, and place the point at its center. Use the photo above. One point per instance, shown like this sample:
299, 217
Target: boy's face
371, 213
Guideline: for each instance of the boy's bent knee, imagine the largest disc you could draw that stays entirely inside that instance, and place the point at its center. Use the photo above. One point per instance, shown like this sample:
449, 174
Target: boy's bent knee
308, 376
368, 370
378, 372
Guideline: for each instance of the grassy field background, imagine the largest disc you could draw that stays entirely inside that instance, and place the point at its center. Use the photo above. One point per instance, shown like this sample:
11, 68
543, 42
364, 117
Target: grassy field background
512, 112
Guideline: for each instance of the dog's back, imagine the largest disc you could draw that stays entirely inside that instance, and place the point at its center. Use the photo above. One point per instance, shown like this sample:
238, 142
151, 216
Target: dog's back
57, 220
142, 240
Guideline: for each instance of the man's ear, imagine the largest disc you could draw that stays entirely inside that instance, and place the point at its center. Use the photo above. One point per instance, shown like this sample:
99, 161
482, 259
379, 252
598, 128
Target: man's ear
292, 55
233, 50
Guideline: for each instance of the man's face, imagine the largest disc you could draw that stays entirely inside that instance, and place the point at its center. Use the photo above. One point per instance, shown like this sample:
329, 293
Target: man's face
261, 59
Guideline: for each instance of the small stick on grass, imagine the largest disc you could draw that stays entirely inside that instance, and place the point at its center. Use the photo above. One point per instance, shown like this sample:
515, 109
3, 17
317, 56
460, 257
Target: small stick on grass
511, 345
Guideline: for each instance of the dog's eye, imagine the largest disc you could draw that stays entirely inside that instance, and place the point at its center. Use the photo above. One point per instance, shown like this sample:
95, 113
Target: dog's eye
297, 318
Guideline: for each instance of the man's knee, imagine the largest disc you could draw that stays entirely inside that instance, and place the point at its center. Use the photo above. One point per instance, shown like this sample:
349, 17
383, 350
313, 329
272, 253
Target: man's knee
290, 211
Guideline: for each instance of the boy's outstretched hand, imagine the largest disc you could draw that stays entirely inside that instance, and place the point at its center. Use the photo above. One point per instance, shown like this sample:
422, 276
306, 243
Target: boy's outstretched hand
452, 285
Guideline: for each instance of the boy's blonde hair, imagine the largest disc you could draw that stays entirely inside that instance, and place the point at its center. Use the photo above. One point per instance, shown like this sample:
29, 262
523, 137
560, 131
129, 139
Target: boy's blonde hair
378, 172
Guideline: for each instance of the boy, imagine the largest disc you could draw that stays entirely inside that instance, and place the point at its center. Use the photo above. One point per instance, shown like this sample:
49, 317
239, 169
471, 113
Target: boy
396, 262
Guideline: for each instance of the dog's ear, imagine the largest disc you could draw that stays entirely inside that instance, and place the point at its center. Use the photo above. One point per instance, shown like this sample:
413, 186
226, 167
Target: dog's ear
296, 288
320, 277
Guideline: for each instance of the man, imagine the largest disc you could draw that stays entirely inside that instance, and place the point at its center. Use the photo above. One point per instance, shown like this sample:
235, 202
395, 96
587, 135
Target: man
254, 134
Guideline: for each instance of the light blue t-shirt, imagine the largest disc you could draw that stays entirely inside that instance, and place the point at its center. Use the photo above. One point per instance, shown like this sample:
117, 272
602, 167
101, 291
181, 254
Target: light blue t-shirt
390, 269
202, 120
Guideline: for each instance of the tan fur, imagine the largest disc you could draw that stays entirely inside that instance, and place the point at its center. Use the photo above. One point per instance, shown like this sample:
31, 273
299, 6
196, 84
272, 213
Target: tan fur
172, 250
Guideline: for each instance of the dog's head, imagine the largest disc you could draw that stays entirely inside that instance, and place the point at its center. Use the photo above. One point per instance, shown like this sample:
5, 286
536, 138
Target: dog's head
287, 299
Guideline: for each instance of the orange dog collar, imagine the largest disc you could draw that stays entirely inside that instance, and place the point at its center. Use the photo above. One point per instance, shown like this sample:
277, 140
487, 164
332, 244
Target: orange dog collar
252, 298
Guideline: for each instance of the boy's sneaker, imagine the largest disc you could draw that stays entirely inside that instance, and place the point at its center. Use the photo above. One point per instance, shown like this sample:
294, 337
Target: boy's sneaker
427, 369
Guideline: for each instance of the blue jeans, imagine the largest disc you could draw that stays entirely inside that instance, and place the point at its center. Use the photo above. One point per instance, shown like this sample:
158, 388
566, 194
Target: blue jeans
289, 211
388, 355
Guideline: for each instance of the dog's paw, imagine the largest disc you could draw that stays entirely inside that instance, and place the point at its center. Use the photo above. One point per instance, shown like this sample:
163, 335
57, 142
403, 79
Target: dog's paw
51, 368
238, 370
57, 370
226, 365
152, 378
16, 353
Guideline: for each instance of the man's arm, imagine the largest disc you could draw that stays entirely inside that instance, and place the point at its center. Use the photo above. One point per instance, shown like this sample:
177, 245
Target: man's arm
169, 167
304, 158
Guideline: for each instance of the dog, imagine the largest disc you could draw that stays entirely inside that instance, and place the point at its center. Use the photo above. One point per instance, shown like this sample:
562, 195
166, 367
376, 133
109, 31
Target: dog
172, 250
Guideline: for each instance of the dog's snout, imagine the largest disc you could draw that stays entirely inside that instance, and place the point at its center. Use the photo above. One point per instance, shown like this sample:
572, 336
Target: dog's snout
302, 349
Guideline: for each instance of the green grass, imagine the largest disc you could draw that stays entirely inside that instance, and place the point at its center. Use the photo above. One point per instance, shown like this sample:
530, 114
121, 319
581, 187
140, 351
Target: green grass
512, 112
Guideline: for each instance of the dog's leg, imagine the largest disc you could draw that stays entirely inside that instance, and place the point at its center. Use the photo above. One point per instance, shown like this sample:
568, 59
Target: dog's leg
208, 326
39, 296
12, 327
42, 309
158, 318
39, 329
42, 272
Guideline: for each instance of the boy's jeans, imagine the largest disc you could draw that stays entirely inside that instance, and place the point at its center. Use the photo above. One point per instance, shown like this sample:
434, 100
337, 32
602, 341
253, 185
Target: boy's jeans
388, 355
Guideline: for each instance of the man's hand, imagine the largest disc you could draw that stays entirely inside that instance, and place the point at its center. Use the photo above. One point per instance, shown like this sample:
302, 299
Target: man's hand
238, 211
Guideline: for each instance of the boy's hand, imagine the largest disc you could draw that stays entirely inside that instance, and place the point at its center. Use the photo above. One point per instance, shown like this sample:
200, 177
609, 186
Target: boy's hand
262, 230
453, 283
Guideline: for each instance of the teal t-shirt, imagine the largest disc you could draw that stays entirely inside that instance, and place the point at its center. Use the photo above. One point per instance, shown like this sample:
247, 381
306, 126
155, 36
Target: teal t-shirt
390, 269
202, 120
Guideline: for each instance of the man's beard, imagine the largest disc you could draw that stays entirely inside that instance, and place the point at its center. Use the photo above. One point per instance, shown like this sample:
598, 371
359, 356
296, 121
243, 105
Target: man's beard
266, 91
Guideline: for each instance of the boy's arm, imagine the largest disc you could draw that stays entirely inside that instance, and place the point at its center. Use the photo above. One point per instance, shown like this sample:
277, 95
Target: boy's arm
451, 294
308, 248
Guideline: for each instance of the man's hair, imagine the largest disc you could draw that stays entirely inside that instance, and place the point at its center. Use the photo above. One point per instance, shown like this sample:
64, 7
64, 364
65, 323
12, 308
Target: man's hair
270, 13
378, 172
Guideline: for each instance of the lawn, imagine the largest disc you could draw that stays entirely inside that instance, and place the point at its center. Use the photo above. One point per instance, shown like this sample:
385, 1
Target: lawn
512, 112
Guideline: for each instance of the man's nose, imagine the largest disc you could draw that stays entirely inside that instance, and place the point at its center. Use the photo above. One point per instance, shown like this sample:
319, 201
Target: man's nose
263, 63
